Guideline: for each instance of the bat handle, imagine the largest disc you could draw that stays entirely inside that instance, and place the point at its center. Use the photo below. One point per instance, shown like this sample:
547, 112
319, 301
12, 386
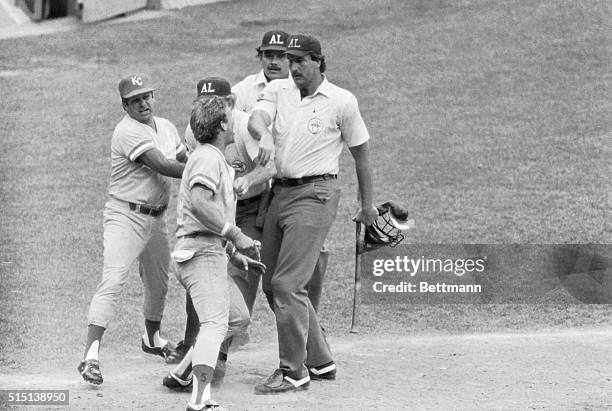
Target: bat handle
357, 285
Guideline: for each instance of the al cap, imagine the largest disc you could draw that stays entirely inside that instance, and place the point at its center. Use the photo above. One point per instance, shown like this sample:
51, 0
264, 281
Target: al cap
300, 45
214, 86
274, 40
134, 85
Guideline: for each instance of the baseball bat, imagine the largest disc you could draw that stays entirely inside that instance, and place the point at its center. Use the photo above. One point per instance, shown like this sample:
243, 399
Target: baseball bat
357, 285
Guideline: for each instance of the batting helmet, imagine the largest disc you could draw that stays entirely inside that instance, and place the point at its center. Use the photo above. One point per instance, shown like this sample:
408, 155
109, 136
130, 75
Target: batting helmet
387, 229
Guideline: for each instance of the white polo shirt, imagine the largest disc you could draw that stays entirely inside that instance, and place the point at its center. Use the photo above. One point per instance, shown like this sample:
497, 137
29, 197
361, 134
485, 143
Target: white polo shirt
240, 154
135, 182
309, 133
206, 166
248, 89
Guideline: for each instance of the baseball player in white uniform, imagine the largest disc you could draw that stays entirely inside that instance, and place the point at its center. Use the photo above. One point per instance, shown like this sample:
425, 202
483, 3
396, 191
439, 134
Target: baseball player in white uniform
274, 65
145, 151
250, 181
205, 224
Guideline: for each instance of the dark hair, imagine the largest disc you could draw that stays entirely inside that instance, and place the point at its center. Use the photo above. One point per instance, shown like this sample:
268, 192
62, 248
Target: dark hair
207, 114
320, 58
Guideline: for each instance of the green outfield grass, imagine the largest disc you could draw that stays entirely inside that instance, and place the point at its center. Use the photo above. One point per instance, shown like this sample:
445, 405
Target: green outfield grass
490, 121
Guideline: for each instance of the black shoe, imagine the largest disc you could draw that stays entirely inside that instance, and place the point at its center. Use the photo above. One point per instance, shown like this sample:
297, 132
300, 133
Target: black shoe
219, 373
323, 372
175, 383
165, 351
279, 383
90, 371
179, 353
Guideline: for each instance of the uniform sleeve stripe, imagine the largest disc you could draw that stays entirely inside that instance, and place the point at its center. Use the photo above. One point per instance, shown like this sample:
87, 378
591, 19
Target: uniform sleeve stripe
139, 149
205, 181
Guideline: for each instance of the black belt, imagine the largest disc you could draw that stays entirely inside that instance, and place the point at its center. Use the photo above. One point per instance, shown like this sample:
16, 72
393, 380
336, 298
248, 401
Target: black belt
292, 182
143, 209
247, 201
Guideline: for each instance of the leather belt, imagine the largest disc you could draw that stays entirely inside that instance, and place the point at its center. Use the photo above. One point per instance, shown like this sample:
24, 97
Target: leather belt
292, 182
247, 201
143, 209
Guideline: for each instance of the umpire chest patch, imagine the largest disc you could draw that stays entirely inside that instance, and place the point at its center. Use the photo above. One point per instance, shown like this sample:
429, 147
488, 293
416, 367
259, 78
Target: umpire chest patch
315, 125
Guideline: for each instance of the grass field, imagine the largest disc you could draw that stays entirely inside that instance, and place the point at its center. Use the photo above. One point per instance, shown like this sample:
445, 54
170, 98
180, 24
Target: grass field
490, 121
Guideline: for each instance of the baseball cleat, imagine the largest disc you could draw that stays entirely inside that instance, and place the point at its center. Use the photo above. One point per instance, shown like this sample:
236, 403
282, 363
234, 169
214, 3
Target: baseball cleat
175, 383
324, 372
90, 371
178, 354
279, 383
164, 352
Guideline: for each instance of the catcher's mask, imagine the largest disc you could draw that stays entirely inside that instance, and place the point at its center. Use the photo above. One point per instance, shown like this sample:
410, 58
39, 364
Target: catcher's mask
387, 229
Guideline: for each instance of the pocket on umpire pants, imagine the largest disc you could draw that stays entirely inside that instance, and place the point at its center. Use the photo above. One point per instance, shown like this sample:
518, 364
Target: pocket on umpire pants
325, 190
180, 256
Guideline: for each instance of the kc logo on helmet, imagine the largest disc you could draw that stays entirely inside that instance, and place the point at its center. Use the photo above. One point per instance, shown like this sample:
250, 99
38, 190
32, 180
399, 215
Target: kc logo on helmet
136, 80
276, 39
207, 88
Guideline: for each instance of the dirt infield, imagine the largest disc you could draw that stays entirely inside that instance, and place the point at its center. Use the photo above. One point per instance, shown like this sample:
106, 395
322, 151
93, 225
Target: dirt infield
490, 122
540, 371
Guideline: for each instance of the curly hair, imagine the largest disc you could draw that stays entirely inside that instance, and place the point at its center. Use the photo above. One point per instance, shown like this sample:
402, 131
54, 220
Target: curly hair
207, 114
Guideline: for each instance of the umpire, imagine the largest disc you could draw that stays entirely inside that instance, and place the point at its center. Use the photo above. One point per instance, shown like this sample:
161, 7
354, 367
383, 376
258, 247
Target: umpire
272, 55
311, 120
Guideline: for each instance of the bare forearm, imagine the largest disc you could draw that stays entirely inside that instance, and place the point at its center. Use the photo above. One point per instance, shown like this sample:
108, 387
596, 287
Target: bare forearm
361, 155
260, 174
367, 214
207, 211
258, 124
364, 178
211, 215
173, 168
156, 161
